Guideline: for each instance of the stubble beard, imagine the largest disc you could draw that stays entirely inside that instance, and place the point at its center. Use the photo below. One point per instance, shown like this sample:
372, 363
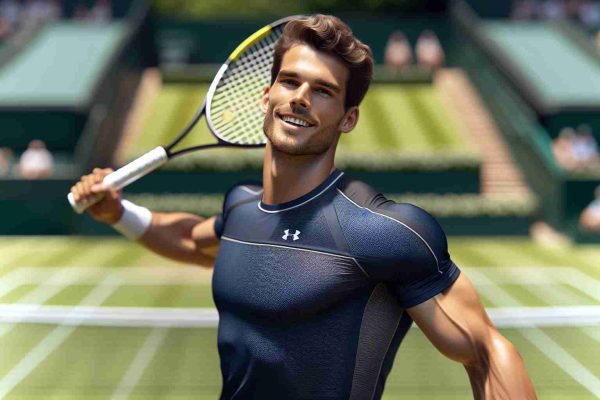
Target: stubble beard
317, 144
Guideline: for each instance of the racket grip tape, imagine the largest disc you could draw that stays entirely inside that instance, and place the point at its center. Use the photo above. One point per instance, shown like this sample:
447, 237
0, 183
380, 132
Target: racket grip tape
125, 175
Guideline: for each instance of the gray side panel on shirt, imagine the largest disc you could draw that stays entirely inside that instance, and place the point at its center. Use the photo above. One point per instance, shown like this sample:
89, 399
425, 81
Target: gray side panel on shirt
379, 323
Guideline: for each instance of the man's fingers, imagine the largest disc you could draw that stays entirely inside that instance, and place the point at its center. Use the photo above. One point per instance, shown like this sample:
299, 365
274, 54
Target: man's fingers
89, 185
87, 181
80, 191
75, 193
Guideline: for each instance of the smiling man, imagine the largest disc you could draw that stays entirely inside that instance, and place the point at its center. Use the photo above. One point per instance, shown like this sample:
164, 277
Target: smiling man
318, 277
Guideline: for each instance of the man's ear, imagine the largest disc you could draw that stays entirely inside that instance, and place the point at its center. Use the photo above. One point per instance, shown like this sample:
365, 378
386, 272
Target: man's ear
349, 120
264, 101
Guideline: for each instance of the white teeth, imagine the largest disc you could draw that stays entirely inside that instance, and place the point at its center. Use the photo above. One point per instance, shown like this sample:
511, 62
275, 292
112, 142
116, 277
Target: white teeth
295, 121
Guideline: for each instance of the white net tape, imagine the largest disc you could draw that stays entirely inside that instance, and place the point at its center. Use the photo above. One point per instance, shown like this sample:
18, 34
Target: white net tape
235, 106
504, 317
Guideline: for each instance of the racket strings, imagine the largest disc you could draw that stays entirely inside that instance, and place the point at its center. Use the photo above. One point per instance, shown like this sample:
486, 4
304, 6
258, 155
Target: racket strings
235, 111
245, 84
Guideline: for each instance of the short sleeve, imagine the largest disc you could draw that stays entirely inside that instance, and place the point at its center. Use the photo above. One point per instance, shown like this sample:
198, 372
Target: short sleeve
239, 193
429, 271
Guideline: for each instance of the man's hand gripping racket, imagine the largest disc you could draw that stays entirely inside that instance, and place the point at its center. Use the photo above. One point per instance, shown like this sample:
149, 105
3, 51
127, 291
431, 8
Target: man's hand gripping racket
231, 107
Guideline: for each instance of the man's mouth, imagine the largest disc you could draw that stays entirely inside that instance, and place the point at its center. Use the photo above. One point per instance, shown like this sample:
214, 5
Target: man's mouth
295, 121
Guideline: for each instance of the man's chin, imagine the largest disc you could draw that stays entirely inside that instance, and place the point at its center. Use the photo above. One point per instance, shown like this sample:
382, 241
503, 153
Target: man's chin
288, 145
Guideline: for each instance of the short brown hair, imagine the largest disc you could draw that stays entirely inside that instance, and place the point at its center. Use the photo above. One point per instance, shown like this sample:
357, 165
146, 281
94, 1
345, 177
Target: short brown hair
329, 34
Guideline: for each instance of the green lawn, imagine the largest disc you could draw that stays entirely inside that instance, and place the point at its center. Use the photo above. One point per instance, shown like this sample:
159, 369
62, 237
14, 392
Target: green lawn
399, 118
53, 361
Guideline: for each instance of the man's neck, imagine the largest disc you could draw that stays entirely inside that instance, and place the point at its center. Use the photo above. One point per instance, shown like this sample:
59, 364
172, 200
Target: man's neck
287, 177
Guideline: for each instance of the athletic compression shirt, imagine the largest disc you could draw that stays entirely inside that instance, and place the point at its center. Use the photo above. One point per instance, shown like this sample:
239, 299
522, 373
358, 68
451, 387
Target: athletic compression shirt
312, 293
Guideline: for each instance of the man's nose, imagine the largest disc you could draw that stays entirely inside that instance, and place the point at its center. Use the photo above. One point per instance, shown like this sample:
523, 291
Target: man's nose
301, 96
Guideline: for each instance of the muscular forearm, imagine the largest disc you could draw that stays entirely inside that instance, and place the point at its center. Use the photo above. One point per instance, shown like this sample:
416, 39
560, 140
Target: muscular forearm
171, 235
498, 372
456, 323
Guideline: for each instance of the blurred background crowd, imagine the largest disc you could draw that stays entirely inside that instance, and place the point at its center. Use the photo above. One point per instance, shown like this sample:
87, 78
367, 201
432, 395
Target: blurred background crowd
413, 50
484, 113
23, 15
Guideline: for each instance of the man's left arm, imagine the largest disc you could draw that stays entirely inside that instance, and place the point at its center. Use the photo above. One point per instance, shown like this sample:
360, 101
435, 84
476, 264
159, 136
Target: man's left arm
458, 326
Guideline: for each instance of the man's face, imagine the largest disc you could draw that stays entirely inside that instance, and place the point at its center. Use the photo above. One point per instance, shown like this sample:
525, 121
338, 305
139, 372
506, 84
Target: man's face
304, 108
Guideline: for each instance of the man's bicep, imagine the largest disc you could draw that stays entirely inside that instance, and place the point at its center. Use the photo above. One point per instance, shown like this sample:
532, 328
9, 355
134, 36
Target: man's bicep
455, 321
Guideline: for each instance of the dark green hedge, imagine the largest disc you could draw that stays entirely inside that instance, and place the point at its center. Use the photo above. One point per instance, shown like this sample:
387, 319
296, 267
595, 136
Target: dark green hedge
204, 73
263, 8
380, 161
465, 206
468, 205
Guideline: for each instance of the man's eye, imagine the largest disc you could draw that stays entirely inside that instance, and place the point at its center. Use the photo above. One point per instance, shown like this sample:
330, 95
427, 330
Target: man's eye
324, 92
288, 82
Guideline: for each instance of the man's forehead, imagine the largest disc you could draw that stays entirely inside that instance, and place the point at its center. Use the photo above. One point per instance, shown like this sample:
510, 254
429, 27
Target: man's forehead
314, 64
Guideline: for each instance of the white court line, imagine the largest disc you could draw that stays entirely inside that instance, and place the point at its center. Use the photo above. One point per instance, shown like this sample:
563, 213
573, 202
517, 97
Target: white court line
155, 317
11, 281
517, 275
52, 340
557, 296
143, 276
593, 332
7, 259
543, 342
583, 282
143, 357
562, 358
555, 293
54, 285
148, 276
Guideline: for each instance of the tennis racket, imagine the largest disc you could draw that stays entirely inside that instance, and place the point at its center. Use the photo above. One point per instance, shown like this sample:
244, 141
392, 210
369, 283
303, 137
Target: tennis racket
231, 107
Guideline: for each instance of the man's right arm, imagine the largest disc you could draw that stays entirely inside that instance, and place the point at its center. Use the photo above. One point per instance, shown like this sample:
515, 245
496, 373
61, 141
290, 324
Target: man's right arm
179, 236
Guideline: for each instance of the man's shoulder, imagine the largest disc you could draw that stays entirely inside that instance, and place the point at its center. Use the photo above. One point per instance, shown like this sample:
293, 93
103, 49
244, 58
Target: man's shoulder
388, 232
363, 196
397, 243
242, 192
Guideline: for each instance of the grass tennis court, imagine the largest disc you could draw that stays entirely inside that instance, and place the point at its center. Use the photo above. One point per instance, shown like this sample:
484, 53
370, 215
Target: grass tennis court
75, 359
408, 118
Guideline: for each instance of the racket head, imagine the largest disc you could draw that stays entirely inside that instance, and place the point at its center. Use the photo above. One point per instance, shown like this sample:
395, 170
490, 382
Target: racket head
232, 106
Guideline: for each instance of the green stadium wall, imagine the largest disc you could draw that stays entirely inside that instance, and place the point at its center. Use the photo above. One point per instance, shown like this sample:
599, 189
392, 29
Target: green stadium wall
186, 39
562, 196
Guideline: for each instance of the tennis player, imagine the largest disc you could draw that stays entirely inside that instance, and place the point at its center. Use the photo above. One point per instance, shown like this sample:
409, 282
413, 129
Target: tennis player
318, 277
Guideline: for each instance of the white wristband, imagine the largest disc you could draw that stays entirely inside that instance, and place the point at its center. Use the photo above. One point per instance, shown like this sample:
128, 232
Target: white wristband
135, 220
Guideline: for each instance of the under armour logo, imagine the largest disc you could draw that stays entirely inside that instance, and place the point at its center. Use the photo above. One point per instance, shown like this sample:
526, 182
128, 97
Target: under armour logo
295, 236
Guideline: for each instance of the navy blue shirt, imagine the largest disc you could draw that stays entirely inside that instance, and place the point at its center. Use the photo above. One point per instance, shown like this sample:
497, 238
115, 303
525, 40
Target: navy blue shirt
311, 293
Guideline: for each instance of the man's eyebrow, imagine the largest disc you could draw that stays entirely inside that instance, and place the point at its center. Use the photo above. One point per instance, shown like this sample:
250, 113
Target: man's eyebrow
322, 82
329, 85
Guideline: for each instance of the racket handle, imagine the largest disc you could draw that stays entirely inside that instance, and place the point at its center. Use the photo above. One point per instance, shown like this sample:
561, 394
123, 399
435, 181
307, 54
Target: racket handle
125, 175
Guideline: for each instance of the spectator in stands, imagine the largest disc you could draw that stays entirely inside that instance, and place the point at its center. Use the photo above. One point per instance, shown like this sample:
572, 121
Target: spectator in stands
552, 9
572, 8
37, 11
576, 150
101, 12
11, 11
585, 149
562, 148
430, 55
590, 216
589, 14
81, 12
36, 162
5, 160
398, 53
4, 28
524, 10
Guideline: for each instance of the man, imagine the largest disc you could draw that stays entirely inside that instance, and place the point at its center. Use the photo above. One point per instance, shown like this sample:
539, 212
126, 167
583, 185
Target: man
318, 278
